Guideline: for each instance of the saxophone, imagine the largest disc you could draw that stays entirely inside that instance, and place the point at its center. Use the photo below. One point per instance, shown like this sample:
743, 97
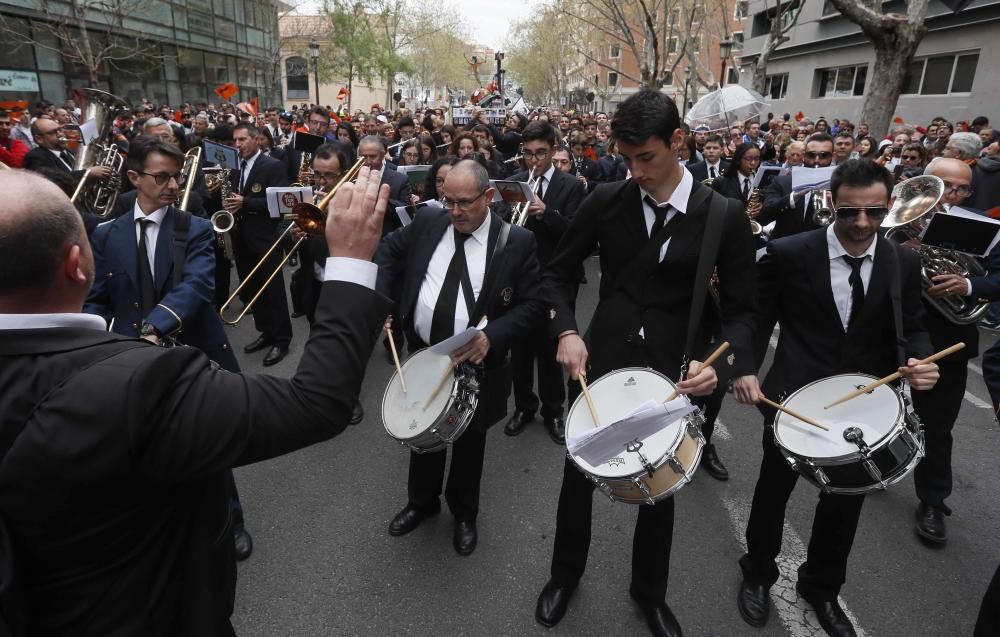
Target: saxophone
753, 207
223, 220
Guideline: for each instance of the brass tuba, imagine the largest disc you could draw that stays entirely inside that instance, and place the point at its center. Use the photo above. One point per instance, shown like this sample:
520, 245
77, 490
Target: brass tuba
915, 202
99, 196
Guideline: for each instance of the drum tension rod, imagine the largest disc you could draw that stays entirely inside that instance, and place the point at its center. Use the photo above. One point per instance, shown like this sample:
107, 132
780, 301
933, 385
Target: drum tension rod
633, 446
855, 435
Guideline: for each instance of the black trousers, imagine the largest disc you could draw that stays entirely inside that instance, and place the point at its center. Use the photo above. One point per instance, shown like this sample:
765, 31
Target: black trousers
834, 526
938, 409
988, 623
270, 313
426, 476
537, 348
713, 405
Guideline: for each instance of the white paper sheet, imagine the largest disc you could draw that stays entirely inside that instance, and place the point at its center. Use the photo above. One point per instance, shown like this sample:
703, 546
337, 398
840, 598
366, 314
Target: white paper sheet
449, 345
597, 446
804, 178
281, 200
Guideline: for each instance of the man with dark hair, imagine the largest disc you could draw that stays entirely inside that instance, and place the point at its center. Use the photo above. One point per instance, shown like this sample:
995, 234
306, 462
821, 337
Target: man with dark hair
714, 165
651, 230
559, 195
794, 212
373, 149
253, 235
116, 493
422, 267
12, 151
830, 291
843, 146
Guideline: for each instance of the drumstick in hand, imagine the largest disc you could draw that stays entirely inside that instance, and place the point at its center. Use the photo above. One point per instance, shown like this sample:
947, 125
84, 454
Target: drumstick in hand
448, 373
896, 375
590, 403
791, 413
708, 361
395, 357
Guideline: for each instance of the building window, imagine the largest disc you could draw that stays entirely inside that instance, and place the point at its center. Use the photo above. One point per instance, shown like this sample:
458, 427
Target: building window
941, 74
616, 52
297, 78
742, 9
675, 16
668, 78
612, 78
672, 45
775, 86
738, 40
734, 76
844, 81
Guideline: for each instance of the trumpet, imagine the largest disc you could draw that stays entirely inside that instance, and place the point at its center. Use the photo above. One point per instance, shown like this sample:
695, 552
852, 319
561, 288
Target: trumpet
823, 201
191, 160
311, 219
519, 216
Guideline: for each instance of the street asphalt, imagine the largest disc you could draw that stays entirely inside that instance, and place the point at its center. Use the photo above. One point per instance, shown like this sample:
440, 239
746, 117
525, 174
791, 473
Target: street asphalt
324, 563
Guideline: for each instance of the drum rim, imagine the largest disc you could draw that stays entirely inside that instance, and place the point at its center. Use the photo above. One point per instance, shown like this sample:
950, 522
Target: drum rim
854, 455
660, 460
385, 395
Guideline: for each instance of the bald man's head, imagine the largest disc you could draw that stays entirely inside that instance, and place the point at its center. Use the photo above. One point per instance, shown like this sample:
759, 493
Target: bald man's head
44, 250
957, 178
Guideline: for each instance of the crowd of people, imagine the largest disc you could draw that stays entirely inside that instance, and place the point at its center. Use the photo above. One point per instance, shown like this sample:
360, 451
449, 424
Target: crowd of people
148, 485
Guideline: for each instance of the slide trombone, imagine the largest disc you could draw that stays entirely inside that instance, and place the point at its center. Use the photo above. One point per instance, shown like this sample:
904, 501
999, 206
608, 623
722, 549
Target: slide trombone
311, 219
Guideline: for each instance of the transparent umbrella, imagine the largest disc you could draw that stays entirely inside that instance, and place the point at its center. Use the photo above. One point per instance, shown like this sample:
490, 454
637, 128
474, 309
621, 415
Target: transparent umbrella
725, 107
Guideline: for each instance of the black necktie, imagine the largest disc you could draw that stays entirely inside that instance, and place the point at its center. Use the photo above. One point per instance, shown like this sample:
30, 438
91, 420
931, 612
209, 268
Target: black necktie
857, 287
443, 321
243, 176
147, 288
538, 186
746, 189
660, 213
711, 170
68, 158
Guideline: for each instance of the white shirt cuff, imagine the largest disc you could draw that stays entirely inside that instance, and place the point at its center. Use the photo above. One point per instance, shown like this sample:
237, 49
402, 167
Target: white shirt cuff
791, 200
351, 271
968, 287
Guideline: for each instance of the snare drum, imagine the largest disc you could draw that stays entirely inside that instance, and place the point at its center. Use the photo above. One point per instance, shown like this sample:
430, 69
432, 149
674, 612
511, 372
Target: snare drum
874, 440
434, 427
647, 470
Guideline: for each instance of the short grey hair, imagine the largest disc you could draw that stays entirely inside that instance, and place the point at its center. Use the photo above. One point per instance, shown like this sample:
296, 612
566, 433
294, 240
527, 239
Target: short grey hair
967, 144
479, 173
153, 122
373, 139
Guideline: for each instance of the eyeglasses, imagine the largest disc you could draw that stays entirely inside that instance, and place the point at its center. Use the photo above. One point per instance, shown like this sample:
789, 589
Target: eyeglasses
875, 213
542, 154
819, 155
326, 176
461, 204
161, 179
751, 159
963, 191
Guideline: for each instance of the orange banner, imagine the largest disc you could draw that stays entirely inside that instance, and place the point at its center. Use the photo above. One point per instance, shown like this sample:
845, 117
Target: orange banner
227, 90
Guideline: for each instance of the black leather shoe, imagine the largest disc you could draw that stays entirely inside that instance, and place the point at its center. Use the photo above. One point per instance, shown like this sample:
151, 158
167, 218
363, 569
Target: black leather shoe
259, 344
830, 615
516, 424
275, 355
357, 413
712, 465
754, 602
557, 430
930, 524
410, 518
465, 537
552, 603
659, 618
243, 543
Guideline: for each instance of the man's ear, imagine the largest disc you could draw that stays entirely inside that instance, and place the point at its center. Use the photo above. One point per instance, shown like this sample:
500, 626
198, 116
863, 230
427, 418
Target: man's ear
73, 266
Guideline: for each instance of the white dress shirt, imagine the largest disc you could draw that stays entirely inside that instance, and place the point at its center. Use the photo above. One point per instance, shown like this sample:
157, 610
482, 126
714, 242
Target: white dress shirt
840, 273
245, 173
430, 289
546, 181
677, 203
716, 166
58, 153
152, 231
746, 180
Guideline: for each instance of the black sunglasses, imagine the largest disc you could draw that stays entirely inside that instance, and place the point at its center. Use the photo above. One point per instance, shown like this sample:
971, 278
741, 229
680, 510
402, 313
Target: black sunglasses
875, 213
816, 155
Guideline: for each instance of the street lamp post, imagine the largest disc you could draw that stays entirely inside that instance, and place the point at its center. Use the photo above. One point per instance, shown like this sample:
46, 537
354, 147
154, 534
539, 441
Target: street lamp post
725, 50
314, 52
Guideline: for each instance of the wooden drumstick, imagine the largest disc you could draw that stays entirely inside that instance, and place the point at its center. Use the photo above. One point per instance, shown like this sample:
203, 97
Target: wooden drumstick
590, 403
708, 361
395, 357
896, 375
449, 372
791, 413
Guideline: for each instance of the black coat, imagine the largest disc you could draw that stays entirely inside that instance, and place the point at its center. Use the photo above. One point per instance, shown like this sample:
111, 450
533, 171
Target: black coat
788, 220
795, 291
699, 169
513, 309
729, 187
656, 296
116, 491
562, 199
39, 157
254, 225
399, 195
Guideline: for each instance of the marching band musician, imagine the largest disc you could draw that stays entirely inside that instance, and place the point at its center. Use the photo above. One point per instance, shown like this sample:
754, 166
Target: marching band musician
253, 234
714, 164
737, 180
138, 286
373, 149
939, 408
830, 291
793, 212
428, 268
51, 152
650, 230
559, 196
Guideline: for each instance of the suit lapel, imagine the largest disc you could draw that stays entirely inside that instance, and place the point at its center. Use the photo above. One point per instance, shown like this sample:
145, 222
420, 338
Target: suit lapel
122, 244
164, 251
554, 190
423, 250
634, 217
819, 273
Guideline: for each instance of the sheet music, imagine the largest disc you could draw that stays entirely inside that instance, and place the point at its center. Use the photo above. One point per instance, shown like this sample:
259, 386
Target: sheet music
597, 446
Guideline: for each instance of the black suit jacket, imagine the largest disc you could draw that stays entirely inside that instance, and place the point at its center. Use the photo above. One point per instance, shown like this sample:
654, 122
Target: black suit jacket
513, 308
795, 291
729, 187
655, 296
788, 220
116, 489
399, 195
562, 199
699, 169
39, 157
253, 223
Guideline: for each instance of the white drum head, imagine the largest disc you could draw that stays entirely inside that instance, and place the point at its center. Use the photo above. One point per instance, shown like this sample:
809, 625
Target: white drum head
616, 395
404, 414
875, 413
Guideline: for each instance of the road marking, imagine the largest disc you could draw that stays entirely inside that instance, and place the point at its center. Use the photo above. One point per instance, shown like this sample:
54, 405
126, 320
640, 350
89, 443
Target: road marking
976, 368
721, 432
795, 613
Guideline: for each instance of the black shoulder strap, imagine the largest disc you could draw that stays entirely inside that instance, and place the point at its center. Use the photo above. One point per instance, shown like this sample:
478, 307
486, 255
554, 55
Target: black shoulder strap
896, 294
491, 273
706, 262
182, 222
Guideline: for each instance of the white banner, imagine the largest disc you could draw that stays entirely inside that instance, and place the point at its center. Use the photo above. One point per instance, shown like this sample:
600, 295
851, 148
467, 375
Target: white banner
18, 81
